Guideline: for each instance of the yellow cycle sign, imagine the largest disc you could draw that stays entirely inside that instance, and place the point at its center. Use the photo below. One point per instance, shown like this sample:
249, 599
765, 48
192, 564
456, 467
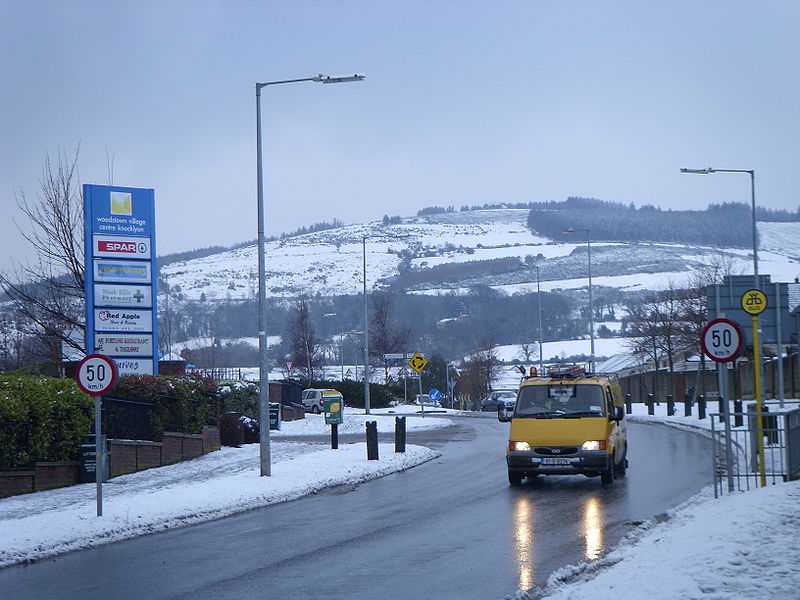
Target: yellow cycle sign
418, 362
754, 302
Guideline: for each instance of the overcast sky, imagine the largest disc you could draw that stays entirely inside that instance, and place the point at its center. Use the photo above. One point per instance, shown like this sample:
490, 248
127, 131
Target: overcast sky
464, 103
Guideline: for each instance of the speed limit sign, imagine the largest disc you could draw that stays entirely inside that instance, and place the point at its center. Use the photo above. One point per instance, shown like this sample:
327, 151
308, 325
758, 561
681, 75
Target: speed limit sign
96, 374
722, 340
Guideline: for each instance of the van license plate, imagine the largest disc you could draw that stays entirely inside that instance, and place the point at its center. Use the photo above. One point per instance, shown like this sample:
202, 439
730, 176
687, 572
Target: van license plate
556, 461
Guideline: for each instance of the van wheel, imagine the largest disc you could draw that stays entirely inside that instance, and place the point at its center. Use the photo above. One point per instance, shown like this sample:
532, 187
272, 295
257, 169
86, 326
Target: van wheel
515, 478
620, 468
315, 409
607, 476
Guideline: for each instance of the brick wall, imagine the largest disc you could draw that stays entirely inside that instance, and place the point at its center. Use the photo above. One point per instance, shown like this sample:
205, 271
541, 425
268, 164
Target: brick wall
126, 456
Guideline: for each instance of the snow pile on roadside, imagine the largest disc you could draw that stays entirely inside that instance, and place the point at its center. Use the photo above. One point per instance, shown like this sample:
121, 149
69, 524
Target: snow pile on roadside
35, 526
741, 546
353, 423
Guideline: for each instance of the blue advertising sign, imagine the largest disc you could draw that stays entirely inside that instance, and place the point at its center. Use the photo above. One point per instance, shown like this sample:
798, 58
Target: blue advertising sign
120, 210
119, 243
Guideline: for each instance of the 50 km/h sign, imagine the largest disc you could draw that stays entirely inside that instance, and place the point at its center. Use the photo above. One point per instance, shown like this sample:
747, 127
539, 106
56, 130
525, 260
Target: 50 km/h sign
96, 374
722, 340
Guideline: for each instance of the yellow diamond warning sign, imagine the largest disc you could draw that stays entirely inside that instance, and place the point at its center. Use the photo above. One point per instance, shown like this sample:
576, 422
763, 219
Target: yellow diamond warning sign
418, 362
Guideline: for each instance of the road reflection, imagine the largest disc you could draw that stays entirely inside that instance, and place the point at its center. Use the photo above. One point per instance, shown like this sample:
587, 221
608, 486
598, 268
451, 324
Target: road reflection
523, 541
592, 528
586, 522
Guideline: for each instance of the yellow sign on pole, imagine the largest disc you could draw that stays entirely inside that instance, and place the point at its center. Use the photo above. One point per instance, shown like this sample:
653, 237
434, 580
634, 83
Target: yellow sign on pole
418, 362
754, 302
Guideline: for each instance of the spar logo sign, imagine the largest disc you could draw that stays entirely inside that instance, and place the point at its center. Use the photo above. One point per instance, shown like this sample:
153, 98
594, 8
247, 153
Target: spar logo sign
119, 246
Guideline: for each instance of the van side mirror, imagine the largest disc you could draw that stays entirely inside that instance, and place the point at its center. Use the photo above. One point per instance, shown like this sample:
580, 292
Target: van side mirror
619, 414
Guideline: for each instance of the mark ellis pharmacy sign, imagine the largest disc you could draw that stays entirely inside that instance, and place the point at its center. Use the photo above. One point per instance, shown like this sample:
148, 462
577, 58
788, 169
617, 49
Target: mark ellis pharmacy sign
119, 227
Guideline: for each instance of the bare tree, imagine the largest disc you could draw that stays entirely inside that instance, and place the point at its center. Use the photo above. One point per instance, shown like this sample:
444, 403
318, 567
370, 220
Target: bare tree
528, 351
304, 347
481, 368
656, 326
49, 291
385, 337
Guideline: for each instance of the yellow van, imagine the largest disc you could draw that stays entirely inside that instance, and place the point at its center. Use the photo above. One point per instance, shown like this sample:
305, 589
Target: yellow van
567, 422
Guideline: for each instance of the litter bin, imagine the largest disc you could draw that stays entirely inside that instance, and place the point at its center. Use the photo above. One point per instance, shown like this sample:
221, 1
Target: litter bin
274, 415
89, 459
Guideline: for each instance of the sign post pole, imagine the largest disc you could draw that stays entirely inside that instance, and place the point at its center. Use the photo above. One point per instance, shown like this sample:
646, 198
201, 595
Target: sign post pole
418, 363
99, 452
722, 341
754, 302
96, 374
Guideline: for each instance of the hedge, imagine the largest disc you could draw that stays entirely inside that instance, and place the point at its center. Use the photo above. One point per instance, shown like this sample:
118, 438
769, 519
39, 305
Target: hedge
42, 419
181, 402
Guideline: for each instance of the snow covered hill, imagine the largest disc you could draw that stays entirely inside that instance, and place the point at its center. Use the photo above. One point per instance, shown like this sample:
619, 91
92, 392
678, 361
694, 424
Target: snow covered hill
330, 262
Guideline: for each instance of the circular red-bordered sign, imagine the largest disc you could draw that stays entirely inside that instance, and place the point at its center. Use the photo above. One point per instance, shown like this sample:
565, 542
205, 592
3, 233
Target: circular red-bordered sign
96, 374
722, 340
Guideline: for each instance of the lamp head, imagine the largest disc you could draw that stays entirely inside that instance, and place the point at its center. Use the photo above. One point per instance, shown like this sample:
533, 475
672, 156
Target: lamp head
698, 171
338, 78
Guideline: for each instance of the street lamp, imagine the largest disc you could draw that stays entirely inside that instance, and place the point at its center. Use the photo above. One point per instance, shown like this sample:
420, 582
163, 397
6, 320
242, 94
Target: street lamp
539, 302
752, 174
263, 396
591, 305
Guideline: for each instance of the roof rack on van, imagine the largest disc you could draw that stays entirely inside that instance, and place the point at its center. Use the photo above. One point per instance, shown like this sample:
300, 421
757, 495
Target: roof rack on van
561, 372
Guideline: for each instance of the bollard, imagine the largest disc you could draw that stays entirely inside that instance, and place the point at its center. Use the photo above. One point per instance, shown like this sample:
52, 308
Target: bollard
651, 408
701, 407
628, 404
722, 411
770, 424
372, 440
738, 417
399, 434
670, 405
687, 407
334, 436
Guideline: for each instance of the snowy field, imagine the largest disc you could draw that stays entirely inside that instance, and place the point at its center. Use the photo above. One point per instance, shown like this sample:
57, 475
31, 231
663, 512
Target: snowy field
330, 262
738, 547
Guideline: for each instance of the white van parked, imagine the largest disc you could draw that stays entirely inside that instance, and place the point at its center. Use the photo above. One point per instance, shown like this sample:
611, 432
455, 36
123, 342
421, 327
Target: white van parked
314, 399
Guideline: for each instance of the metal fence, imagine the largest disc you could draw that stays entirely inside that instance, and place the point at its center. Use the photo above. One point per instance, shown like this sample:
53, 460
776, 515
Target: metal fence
741, 463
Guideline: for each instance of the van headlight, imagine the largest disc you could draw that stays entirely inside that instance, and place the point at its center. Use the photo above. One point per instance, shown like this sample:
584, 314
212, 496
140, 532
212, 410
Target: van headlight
594, 445
519, 446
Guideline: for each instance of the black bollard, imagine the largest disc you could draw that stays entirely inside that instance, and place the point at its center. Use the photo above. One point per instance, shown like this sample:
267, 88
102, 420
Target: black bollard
670, 405
334, 436
738, 417
651, 407
372, 440
701, 407
628, 404
399, 434
722, 402
687, 407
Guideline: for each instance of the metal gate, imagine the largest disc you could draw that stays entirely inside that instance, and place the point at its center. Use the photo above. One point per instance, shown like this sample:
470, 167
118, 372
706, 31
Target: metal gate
736, 456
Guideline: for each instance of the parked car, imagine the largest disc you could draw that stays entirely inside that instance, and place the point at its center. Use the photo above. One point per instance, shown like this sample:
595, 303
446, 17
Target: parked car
314, 399
499, 398
425, 399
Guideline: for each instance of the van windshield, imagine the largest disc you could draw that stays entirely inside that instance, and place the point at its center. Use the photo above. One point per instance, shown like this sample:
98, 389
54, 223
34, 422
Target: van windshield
560, 399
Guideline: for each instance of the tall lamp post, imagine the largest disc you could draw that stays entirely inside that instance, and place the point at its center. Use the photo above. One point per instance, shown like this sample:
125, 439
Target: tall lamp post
591, 304
366, 327
752, 174
263, 396
539, 302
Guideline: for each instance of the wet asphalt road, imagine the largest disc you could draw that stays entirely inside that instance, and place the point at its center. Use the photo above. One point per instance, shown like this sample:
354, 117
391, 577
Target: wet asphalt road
451, 528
